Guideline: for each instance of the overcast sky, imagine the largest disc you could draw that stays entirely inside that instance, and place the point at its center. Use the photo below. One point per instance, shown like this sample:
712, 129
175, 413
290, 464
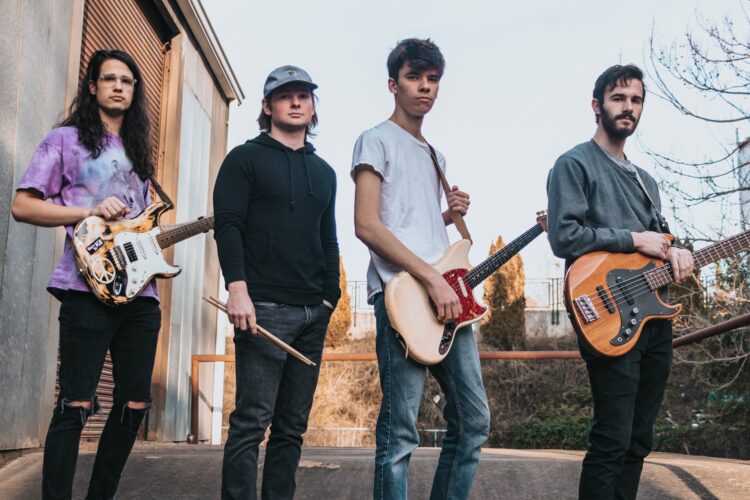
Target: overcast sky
515, 95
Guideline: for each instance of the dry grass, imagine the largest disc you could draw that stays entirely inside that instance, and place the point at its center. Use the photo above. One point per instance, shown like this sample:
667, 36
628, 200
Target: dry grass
346, 401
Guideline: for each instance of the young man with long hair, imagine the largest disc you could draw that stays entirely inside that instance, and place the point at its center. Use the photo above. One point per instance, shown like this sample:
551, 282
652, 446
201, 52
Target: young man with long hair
274, 202
597, 202
95, 163
398, 216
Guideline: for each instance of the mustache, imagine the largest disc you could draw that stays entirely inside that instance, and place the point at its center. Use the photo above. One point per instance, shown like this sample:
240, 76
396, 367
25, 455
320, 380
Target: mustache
626, 114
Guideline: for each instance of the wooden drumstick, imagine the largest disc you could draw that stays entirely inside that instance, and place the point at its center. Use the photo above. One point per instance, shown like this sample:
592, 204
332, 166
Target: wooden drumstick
265, 334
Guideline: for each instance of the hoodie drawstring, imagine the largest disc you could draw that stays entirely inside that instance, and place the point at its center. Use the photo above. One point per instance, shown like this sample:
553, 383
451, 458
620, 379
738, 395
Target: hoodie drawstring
291, 177
307, 173
291, 180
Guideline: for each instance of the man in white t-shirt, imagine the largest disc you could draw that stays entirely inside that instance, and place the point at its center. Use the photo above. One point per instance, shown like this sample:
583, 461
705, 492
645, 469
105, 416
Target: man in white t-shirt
398, 216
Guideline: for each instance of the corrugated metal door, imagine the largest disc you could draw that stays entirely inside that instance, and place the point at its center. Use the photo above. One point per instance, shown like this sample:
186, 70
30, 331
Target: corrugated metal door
122, 24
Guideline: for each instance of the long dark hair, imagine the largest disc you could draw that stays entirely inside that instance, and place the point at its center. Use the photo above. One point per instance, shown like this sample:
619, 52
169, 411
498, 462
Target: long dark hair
84, 115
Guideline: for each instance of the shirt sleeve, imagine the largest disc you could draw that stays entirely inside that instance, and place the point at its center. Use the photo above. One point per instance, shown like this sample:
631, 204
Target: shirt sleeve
370, 150
329, 240
569, 236
45, 170
231, 197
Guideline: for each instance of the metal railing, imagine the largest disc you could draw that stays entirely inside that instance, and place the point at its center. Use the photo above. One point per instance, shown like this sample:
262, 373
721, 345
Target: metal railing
690, 338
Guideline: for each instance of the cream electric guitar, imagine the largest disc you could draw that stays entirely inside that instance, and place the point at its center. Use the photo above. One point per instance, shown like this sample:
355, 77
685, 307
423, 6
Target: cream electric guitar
119, 258
412, 313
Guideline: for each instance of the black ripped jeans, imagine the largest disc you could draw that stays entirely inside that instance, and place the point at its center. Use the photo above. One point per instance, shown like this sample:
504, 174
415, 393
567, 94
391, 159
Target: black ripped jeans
88, 329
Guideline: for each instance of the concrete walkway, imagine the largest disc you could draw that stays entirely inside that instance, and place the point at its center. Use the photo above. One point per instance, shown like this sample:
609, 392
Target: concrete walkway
181, 471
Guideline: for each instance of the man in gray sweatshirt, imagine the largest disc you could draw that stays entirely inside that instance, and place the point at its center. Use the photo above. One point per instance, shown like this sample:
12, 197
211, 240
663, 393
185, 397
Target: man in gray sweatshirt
597, 203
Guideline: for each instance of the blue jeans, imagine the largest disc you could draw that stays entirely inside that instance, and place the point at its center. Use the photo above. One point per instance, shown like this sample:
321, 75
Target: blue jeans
466, 413
276, 389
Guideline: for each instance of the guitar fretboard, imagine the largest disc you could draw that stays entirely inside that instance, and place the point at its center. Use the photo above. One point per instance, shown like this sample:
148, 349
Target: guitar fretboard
490, 265
183, 231
663, 276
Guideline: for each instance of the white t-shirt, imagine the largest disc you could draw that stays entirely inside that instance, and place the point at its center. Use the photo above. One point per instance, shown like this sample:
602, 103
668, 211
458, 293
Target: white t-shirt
410, 196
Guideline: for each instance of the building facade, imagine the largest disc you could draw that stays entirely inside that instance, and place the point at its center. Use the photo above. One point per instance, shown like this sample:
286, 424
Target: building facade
44, 49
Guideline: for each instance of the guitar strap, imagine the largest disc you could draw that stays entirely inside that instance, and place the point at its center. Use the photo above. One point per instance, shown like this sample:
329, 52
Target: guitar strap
662, 221
458, 219
160, 191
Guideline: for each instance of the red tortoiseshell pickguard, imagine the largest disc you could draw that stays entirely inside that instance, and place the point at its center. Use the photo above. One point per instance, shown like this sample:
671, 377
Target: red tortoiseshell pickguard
470, 308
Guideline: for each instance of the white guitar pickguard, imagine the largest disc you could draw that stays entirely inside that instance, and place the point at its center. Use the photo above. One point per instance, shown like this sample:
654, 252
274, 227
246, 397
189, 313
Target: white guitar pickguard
148, 262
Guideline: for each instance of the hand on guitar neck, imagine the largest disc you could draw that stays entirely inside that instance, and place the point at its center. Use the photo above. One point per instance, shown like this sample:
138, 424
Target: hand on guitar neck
658, 245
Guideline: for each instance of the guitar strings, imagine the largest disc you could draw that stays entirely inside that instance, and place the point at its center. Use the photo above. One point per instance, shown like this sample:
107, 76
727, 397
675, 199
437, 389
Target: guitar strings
667, 267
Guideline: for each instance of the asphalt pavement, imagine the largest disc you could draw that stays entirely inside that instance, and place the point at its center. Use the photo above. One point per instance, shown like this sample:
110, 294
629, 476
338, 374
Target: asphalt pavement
183, 471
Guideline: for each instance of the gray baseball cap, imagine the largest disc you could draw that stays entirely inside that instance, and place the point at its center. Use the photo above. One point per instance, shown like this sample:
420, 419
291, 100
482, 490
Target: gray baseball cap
285, 75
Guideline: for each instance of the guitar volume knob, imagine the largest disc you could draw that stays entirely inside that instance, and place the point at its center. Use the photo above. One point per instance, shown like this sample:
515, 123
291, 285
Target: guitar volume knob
633, 321
634, 311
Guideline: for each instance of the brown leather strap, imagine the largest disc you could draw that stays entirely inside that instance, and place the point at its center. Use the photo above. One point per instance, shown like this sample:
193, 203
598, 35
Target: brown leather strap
456, 217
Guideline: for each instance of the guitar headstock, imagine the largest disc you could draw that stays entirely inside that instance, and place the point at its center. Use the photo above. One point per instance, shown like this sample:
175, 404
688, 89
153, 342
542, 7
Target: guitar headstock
541, 219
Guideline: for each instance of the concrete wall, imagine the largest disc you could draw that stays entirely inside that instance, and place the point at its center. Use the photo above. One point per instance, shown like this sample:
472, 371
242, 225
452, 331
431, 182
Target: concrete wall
539, 324
33, 97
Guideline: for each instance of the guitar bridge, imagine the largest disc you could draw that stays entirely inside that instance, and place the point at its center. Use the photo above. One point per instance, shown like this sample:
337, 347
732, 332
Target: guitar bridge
586, 308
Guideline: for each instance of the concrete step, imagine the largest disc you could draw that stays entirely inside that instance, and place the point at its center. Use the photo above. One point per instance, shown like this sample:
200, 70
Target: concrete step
181, 471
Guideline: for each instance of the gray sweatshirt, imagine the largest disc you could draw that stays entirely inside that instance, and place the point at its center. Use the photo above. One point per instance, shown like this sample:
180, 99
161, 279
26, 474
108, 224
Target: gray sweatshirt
594, 204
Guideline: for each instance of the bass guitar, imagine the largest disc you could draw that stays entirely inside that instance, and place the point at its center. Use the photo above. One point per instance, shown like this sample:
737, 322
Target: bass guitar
119, 258
611, 296
412, 313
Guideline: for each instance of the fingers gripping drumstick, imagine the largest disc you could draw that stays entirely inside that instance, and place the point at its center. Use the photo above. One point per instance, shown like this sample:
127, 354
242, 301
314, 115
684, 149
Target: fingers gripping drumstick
265, 334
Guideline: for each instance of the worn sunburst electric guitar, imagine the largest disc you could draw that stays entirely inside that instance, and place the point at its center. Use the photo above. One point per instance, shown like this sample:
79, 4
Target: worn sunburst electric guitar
119, 258
611, 296
412, 314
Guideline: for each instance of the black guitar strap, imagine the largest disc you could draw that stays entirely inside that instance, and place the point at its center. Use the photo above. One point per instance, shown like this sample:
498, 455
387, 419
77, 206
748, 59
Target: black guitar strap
160, 191
662, 221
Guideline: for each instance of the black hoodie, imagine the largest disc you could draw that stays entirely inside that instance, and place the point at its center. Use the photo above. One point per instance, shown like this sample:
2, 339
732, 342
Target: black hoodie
275, 222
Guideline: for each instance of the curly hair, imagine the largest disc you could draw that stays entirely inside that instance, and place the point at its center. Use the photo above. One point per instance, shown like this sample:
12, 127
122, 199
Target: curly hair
84, 115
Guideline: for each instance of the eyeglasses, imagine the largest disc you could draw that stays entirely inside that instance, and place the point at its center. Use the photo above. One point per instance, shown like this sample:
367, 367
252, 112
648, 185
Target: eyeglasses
111, 81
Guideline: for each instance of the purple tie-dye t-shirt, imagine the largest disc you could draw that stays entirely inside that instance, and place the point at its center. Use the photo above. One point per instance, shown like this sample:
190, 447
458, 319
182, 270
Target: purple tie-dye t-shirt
62, 169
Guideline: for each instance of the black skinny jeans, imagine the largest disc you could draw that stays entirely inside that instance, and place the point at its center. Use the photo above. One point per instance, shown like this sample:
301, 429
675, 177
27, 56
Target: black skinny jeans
627, 393
87, 329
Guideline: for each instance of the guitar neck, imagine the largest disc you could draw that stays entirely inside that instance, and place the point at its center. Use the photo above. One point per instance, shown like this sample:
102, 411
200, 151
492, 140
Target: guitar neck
663, 276
183, 231
493, 263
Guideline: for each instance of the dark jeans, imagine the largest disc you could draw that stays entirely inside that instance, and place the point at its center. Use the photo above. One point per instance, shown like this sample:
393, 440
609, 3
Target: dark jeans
87, 329
627, 393
466, 413
274, 389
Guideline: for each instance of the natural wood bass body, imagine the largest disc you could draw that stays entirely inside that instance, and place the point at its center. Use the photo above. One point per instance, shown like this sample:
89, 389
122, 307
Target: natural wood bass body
119, 258
412, 314
619, 323
611, 296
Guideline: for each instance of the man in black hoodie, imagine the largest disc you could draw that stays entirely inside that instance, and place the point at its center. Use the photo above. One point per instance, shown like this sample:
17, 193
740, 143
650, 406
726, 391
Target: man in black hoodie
274, 204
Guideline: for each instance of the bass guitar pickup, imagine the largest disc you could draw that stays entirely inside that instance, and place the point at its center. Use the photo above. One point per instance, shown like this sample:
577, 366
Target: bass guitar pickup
586, 308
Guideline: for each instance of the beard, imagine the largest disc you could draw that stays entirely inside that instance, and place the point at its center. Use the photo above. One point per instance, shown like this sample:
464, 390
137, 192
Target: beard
609, 123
